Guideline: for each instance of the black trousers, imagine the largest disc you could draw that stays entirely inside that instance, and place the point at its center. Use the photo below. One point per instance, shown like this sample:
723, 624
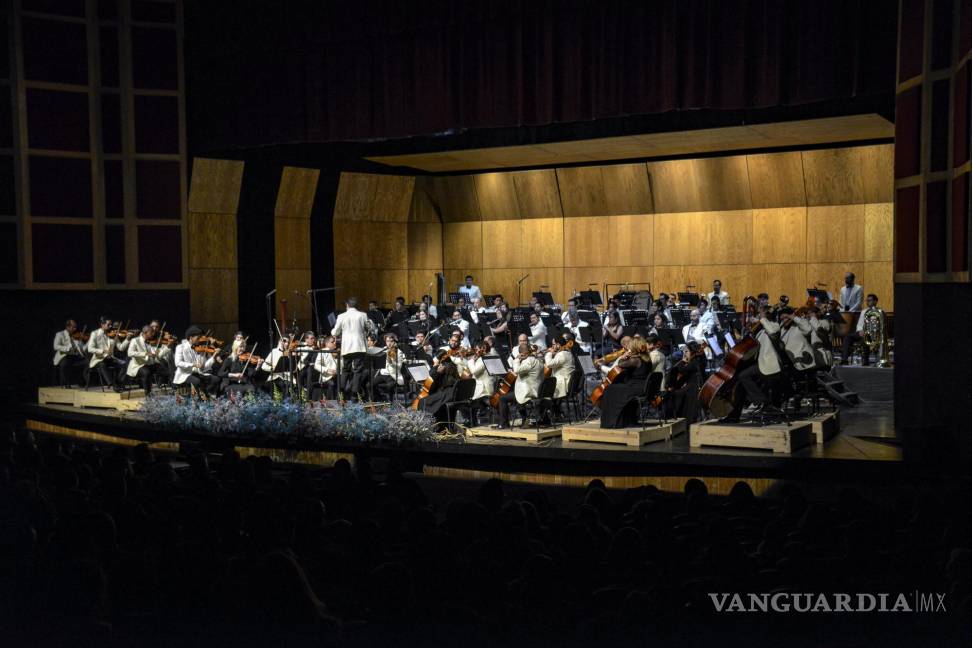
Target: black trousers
111, 371
68, 364
751, 386
849, 341
385, 387
505, 401
146, 377
355, 375
206, 384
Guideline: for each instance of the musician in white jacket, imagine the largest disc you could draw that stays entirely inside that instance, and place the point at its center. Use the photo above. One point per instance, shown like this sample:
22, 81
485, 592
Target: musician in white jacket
143, 362
352, 328
390, 378
560, 362
796, 339
192, 367
754, 380
529, 375
68, 352
101, 357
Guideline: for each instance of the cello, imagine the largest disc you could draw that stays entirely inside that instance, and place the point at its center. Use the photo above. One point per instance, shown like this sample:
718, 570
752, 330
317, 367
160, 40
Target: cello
506, 385
611, 376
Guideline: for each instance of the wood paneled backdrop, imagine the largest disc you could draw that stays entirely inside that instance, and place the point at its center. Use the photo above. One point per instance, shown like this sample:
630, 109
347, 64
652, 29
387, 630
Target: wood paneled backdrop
214, 197
776, 222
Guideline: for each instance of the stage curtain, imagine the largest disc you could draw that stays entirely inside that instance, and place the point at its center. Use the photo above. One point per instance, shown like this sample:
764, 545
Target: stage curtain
326, 71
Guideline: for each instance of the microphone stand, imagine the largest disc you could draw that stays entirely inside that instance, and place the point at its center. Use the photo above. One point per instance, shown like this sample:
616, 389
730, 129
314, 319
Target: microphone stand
317, 316
519, 285
270, 315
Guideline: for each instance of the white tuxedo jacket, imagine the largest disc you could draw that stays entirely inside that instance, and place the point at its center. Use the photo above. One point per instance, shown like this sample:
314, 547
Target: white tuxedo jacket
185, 362
529, 374
797, 344
65, 344
767, 358
485, 384
100, 346
561, 365
352, 326
140, 354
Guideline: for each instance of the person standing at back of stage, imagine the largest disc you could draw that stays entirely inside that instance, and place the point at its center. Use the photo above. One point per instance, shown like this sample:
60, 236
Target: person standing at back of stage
470, 291
851, 294
352, 328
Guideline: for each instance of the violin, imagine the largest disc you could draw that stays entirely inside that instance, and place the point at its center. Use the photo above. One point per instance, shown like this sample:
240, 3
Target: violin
167, 339
247, 357
204, 348
122, 333
210, 340
81, 336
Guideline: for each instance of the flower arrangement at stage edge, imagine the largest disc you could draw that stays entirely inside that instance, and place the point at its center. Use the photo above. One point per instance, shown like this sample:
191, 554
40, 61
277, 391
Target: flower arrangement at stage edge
259, 415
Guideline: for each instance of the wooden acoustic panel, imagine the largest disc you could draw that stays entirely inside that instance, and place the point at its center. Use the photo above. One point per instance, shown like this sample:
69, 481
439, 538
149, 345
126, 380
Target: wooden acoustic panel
214, 296
456, 198
291, 243
536, 194
497, 196
835, 233
736, 278
542, 241
381, 285
627, 190
725, 236
594, 277
424, 208
424, 246
549, 279
375, 245
680, 238
833, 177
879, 231
502, 244
462, 245
503, 281
700, 184
215, 186
295, 196
877, 171
776, 180
212, 240
630, 239
371, 197
585, 239
780, 235
582, 191
878, 278
421, 282
777, 279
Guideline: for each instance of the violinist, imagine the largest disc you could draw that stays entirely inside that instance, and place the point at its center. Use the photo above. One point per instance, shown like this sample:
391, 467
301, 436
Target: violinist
613, 331
529, 374
683, 382
695, 329
795, 335
462, 326
538, 332
234, 372
422, 350
820, 338
192, 365
753, 381
326, 366
522, 338
476, 366
390, 378
143, 363
101, 348
607, 361
560, 361
275, 365
165, 350
68, 351
444, 377
574, 325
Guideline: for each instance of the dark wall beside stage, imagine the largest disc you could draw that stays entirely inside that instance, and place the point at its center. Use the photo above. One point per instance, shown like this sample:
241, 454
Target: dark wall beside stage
32, 317
306, 71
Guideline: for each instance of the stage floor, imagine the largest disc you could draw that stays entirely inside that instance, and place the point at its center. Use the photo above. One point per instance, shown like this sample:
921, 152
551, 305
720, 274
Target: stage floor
865, 449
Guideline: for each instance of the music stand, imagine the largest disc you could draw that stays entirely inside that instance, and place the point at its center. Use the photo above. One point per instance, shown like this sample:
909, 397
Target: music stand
418, 372
285, 365
494, 366
690, 298
544, 298
586, 364
592, 297
671, 338
820, 295
454, 297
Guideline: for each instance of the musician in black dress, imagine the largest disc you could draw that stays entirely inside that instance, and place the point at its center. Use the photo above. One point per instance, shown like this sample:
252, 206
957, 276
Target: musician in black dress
444, 377
684, 380
619, 407
234, 373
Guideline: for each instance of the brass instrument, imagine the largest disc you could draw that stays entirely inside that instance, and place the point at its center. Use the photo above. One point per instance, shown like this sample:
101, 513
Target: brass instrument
875, 335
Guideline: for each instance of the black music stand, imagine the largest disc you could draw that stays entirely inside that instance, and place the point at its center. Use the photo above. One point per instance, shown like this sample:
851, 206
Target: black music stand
454, 297
285, 365
820, 295
671, 338
592, 297
544, 298
690, 298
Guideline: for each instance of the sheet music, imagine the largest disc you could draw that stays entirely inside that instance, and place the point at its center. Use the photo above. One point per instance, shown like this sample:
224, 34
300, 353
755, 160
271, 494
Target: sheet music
714, 345
494, 366
730, 340
418, 372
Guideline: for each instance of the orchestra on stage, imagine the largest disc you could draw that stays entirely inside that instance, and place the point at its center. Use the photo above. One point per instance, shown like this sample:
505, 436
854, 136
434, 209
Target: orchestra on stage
681, 355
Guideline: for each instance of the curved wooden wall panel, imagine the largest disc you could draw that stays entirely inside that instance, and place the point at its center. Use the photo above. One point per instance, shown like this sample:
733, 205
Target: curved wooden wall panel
775, 222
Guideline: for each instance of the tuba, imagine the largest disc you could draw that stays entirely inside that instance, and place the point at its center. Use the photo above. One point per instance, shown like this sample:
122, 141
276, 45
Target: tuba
875, 334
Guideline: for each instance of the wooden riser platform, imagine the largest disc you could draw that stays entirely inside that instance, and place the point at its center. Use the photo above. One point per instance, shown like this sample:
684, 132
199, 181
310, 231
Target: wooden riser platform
529, 434
91, 397
778, 438
825, 425
632, 436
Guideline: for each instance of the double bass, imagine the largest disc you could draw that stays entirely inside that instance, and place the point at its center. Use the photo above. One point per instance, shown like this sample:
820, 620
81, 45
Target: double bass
716, 394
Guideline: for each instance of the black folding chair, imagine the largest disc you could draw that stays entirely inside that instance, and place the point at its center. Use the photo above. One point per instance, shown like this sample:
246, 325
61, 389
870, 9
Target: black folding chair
544, 397
575, 395
462, 394
650, 392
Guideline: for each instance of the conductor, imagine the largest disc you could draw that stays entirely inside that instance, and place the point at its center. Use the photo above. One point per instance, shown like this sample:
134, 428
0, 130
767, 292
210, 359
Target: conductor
352, 327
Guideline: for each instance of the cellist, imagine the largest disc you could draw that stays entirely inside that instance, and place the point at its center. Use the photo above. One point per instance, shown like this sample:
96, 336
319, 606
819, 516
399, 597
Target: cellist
753, 381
